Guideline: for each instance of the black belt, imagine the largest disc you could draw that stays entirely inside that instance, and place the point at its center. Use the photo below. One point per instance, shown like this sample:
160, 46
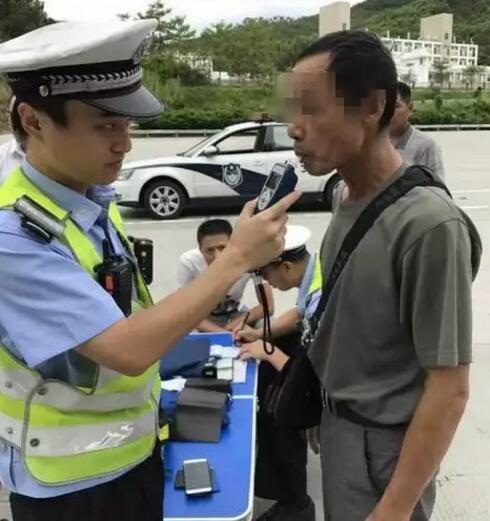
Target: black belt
342, 410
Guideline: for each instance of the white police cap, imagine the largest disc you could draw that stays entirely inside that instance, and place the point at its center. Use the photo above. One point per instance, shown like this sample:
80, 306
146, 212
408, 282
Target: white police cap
96, 62
295, 241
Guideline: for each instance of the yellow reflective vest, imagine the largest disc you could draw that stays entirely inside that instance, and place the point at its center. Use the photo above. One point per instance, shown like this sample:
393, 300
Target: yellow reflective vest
67, 433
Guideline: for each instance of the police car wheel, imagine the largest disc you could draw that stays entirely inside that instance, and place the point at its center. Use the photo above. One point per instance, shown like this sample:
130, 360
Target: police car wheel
164, 200
329, 191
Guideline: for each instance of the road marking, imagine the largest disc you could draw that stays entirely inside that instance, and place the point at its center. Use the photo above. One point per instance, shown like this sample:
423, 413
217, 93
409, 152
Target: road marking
474, 207
479, 191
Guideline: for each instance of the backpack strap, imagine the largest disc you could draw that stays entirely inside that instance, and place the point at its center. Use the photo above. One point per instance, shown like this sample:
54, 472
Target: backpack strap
413, 177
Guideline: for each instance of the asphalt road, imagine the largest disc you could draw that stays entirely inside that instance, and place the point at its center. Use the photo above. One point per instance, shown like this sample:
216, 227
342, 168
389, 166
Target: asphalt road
464, 480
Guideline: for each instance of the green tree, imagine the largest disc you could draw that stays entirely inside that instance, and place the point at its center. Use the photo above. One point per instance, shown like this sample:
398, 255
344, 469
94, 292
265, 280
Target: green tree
471, 73
441, 73
171, 30
21, 16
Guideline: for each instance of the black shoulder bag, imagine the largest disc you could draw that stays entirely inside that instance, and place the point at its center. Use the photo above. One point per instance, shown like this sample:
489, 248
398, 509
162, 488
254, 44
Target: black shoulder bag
295, 398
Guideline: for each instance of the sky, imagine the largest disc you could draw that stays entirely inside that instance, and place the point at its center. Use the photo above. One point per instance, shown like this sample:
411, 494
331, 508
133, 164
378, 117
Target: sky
199, 13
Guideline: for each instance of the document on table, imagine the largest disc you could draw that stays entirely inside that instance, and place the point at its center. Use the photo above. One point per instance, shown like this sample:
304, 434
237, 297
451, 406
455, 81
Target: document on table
219, 351
176, 384
239, 371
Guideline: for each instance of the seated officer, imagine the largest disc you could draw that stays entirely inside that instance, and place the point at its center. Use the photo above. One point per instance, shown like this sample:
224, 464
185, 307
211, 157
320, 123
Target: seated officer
80, 337
212, 239
282, 454
296, 268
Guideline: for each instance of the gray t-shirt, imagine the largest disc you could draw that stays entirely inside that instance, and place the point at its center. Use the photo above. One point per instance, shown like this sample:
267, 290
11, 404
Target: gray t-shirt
402, 304
417, 148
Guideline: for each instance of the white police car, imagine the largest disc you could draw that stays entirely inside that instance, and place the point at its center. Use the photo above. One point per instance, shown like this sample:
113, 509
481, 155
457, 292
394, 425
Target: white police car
226, 169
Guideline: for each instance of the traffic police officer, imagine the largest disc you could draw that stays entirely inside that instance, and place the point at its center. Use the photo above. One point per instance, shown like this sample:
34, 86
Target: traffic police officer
79, 385
282, 454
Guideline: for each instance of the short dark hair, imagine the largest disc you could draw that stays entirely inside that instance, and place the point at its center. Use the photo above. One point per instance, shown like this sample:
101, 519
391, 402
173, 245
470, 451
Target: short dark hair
361, 63
214, 227
53, 107
405, 92
298, 255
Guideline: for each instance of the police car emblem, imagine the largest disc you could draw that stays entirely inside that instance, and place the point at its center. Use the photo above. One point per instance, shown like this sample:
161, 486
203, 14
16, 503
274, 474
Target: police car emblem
232, 175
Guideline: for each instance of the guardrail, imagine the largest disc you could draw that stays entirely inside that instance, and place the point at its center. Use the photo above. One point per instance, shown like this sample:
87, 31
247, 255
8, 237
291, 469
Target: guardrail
209, 132
454, 126
174, 133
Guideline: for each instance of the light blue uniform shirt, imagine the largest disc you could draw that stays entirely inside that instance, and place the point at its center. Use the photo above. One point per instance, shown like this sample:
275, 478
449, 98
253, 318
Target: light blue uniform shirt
50, 305
305, 304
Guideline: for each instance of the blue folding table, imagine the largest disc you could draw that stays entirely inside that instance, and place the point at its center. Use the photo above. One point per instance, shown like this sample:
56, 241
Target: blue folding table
233, 459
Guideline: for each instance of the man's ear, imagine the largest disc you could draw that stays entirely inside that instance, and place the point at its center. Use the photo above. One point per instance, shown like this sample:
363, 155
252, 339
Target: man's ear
373, 108
31, 120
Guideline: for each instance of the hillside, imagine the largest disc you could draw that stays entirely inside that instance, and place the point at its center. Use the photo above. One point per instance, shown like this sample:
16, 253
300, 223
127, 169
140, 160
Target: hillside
471, 19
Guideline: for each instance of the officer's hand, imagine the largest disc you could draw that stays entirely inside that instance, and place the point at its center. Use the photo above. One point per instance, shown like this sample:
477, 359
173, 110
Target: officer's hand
313, 437
253, 350
259, 239
248, 335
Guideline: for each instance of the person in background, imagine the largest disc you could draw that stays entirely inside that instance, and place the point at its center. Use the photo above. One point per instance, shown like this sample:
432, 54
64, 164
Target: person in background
13, 151
282, 456
416, 147
229, 315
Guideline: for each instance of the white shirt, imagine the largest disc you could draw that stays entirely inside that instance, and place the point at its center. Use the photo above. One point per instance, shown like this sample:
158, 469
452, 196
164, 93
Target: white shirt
11, 156
192, 263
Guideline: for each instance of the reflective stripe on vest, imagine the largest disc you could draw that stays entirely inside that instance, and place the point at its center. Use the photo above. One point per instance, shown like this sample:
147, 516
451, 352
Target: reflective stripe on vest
67, 433
316, 280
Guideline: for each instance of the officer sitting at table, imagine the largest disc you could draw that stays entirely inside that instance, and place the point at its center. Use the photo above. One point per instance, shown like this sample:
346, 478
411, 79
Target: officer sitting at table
230, 314
282, 452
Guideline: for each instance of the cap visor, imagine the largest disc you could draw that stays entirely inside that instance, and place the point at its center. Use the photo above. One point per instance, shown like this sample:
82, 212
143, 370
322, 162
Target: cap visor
140, 104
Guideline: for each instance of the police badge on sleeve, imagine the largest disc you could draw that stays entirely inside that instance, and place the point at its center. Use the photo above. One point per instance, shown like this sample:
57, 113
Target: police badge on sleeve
232, 175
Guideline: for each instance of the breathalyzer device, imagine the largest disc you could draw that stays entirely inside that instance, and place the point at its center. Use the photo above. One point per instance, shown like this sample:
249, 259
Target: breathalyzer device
281, 181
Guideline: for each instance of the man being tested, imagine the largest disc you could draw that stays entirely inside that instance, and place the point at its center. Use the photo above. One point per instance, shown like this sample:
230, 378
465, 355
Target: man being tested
393, 346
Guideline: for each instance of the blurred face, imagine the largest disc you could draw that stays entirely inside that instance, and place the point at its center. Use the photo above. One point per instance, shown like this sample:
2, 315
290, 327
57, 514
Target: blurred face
279, 275
89, 150
327, 133
401, 118
212, 245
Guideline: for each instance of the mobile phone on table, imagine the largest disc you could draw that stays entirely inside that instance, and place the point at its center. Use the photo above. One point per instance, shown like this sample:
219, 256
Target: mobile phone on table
197, 477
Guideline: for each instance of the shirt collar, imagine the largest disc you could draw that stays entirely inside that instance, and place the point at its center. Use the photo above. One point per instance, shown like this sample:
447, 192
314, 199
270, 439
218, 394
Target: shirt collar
84, 210
404, 139
17, 151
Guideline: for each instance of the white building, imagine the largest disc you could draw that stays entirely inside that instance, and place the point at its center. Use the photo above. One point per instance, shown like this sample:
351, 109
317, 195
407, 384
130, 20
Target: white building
415, 67
417, 59
462, 54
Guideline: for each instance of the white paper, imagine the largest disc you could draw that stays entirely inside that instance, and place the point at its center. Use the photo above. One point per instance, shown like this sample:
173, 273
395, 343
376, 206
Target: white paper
225, 374
239, 372
176, 384
230, 352
224, 363
219, 351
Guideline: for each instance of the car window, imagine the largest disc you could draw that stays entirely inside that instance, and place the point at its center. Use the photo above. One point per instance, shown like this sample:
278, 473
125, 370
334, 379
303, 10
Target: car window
195, 148
243, 142
278, 139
